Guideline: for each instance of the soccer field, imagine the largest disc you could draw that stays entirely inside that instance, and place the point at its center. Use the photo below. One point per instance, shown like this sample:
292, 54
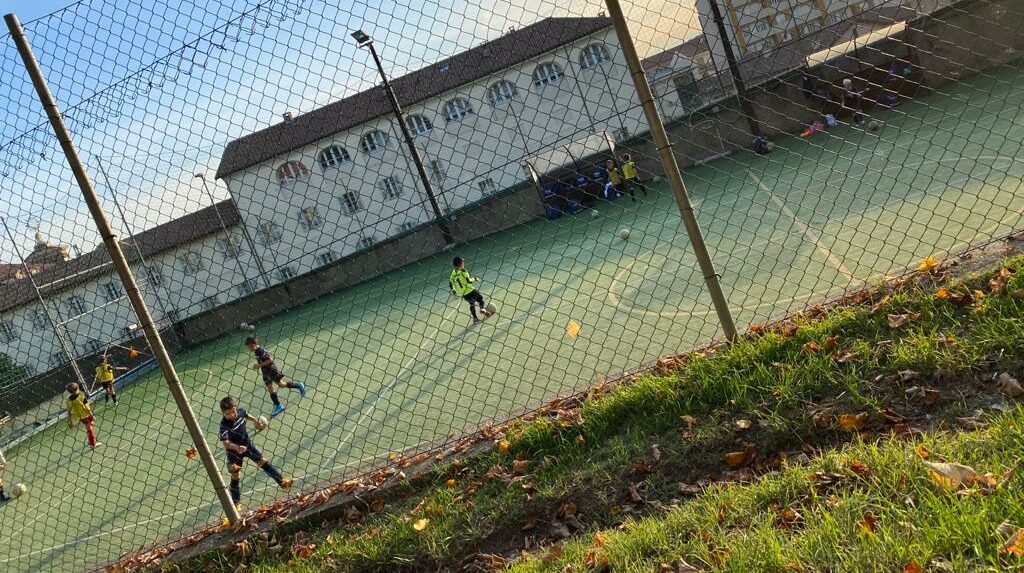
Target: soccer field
392, 363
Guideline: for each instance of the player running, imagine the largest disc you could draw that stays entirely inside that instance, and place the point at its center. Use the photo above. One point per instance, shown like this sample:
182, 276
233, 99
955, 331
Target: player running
239, 446
3, 465
272, 375
462, 285
105, 377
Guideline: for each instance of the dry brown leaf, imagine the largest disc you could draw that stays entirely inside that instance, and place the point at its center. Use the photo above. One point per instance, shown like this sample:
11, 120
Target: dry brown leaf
860, 468
580, 440
831, 343
553, 554
922, 451
1009, 385
634, 493
852, 422
569, 509
912, 567
688, 420
823, 417
811, 346
655, 452
302, 551
740, 459
529, 525
690, 489
520, 467
868, 523
951, 475
961, 300
743, 424
1019, 293
790, 517
897, 320
942, 293
1015, 544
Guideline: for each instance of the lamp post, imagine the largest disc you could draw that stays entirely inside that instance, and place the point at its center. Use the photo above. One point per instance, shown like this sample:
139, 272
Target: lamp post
365, 41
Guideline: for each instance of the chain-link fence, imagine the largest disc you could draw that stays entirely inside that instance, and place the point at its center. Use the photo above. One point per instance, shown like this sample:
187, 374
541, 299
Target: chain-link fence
263, 183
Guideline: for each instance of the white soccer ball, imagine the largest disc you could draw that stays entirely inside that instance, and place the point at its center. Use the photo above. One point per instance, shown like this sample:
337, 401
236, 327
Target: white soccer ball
491, 308
624, 234
19, 490
261, 423
251, 328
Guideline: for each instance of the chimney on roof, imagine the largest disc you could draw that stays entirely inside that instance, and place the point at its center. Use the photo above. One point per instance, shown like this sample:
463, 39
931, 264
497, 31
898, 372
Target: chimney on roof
288, 117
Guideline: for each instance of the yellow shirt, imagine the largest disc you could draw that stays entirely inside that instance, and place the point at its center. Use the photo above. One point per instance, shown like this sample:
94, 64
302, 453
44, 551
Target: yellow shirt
615, 176
79, 407
629, 170
104, 373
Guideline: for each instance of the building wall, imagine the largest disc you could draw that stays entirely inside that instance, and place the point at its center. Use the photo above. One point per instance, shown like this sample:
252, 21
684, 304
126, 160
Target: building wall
478, 153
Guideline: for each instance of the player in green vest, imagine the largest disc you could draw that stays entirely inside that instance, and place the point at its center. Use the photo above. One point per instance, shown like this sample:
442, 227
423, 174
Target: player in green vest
462, 285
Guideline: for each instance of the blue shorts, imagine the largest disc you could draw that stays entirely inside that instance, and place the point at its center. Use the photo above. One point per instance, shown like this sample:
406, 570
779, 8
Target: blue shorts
235, 459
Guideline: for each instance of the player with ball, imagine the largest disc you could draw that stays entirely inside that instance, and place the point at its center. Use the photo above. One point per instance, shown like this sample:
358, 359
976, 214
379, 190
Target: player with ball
462, 284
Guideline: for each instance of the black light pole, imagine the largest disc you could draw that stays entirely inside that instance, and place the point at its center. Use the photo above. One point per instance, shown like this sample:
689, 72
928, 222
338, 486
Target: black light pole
734, 70
366, 41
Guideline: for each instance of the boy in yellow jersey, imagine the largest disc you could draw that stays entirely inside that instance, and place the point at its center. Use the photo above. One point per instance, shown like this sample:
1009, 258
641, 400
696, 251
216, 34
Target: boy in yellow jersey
79, 409
614, 189
630, 174
462, 285
105, 377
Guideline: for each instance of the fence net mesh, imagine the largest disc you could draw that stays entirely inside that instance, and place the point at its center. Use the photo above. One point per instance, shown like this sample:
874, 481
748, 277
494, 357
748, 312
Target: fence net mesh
263, 185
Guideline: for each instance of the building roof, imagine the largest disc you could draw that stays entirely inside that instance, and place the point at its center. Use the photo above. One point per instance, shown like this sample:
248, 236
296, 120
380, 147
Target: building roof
687, 49
67, 274
465, 67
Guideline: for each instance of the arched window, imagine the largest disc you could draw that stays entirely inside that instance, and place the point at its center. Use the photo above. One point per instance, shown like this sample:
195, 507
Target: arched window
501, 92
418, 124
457, 109
375, 141
334, 156
547, 73
291, 171
594, 55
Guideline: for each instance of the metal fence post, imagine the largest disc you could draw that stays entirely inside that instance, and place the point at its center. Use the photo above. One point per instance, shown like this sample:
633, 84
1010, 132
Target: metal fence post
672, 173
121, 264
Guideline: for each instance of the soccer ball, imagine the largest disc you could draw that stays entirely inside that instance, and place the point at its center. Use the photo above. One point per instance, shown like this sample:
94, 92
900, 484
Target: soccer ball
19, 490
624, 234
261, 423
874, 125
594, 213
491, 308
251, 328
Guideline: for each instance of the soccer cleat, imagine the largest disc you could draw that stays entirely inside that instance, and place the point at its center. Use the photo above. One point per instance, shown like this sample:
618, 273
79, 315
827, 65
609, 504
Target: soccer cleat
302, 389
96, 445
287, 483
277, 410
475, 322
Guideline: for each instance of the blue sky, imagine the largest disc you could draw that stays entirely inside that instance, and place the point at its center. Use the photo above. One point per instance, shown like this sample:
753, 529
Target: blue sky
240, 68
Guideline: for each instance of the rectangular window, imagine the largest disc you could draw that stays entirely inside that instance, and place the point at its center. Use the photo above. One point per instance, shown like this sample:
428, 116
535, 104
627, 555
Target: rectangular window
437, 171
324, 259
270, 233
248, 287
349, 203
310, 219
55, 359
112, 291
31, 370
230, 247
406, 227
209, 303
192, 262
487, 186
391, 188
40, 320
366, 242
153, 274
285, 273
8, 333
75, 306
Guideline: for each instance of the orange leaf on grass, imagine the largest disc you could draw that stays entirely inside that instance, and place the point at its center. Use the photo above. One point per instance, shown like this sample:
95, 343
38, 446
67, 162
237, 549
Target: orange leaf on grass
912, 567
811, 346
1015, 544
852, 422
740, 459
942, 293
503, 446
860, 468
928, 264
868, 523
922, 452
191, 453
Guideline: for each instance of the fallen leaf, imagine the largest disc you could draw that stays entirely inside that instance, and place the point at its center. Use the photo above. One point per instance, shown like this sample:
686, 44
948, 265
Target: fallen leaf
688, 420
634, 493
191, 453
421, 524
811, 346
519, 467
684, 567
823, 417
922, 451
928, 265
831, 343
740, 459
951, 475
450, 482
580, 440
377, 505
897, 320
302, 551
1006, 529
868, 523
1009, 385
554, 553
503, 446
655, 452
912, 567
790, 517
1019, 293
743, 424
852, 422
961, 300
690, 489
529, 525
860, 468
1015, 544
942, 293
573, 329
997, 284
392, 457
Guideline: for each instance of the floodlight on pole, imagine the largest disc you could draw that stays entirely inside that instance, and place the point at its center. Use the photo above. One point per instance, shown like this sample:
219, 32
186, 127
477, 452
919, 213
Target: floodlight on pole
365, 41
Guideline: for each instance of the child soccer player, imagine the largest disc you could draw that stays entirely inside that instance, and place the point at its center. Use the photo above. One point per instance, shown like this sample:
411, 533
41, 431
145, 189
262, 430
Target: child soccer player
105, 377
272, 375
79, 409
3, 466
630, 174
615, 181
462, 285
239, 446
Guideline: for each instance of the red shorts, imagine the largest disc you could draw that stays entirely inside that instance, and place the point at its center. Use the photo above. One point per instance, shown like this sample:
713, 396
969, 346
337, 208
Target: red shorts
88, 421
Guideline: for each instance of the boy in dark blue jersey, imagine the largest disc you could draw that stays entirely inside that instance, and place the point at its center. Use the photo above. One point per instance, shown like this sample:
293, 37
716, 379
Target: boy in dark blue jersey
272, 375
239, 446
